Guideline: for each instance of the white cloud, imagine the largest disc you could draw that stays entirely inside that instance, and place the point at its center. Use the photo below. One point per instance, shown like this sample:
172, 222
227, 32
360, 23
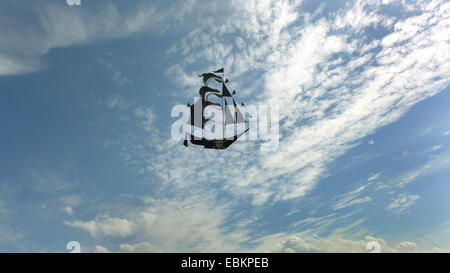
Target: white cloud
328, 103
10, 234
352, 198
71, 200
73, 2
435, 164
117, 102
120, 78
374, 177
49, 181
147, 118
54, 25
352, 202
433, 149
403, 201
117, 74
302, 243
436, 147
402, 155
343, 239
139, 248
298, 243
105, 225
182, 224
101, 249
69, 210
198, 224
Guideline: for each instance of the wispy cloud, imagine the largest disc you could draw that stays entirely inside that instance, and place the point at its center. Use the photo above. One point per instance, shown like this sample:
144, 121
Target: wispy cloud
436, 147
374, 177
435, 164
10, 234
170, 225
301, 243
334, 90
49, 181
336, 83
117, 74
352, 198
117, 102
147, 117
105, 225
403, 201
56, 25
68, 210
68, 203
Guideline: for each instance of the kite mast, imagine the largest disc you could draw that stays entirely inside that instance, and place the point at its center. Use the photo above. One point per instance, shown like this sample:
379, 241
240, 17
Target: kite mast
223, 107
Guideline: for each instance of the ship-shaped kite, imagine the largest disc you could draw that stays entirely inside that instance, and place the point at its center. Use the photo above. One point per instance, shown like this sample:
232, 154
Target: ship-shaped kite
232, 121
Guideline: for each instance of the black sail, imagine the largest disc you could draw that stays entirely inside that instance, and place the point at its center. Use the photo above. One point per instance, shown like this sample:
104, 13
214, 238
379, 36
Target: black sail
239, 116
228, 116
225, 91
196, 114
205, 89
208, 76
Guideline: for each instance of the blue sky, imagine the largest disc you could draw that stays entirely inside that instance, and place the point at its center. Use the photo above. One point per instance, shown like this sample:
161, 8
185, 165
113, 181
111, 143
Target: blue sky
86, 93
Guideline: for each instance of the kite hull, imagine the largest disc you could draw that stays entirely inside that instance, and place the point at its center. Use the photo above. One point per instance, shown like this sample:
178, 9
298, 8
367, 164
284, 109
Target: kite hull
220, 144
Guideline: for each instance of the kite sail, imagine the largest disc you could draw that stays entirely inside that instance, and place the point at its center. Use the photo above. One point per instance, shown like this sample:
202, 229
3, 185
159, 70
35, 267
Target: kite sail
232, 122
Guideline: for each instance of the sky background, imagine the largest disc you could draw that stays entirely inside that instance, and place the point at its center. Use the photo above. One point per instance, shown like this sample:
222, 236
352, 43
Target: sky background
86, 155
